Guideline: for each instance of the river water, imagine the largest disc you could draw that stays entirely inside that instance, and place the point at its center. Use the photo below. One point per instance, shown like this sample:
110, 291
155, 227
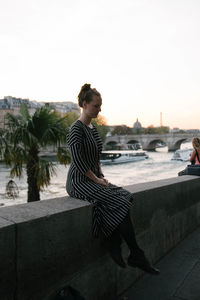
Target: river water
158, 166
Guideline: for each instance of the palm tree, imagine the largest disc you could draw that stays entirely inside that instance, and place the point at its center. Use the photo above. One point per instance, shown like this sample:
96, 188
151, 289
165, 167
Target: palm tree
23, 139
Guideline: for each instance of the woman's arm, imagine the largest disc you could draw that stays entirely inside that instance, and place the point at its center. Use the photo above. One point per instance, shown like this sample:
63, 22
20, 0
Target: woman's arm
192, 156
100, 171
96, 179
102, 175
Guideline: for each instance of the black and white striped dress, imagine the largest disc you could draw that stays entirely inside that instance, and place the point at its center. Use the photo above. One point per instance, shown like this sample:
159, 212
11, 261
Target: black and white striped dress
112, 203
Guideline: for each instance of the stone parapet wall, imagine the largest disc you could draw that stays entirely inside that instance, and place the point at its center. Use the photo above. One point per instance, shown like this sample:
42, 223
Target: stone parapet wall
48, 244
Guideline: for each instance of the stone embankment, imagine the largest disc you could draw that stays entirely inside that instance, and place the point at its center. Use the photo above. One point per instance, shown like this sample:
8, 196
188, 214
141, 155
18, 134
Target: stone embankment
46, 245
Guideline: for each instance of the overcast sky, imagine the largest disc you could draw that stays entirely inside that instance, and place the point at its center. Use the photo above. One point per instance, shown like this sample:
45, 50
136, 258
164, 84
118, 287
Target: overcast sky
143, 56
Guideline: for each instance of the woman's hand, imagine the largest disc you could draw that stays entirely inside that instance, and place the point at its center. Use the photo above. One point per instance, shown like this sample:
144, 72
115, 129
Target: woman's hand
106, 181
103, 181
100, 180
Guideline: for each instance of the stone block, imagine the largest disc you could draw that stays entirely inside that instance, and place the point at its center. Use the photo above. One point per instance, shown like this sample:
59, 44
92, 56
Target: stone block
8, 275
48, 244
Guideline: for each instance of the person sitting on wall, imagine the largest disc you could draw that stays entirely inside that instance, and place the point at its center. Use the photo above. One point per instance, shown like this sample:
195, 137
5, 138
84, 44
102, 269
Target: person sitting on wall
85, 181
194, 168
195, 155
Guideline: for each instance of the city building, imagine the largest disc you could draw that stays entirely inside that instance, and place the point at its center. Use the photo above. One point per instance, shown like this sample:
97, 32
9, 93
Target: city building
64, 107
12, 105
4, 109
137, 125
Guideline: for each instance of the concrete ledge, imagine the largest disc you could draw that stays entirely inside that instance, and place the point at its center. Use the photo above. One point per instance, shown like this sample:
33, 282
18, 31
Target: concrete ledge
46, 245
7, 259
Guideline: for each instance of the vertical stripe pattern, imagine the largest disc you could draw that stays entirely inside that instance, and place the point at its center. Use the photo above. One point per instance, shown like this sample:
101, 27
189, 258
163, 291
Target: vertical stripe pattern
110, 204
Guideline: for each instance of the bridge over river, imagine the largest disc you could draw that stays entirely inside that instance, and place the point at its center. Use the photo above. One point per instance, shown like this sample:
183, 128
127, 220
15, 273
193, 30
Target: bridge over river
150, 141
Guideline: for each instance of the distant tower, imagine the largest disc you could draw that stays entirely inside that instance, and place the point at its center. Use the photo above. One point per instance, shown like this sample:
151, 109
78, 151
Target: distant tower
161, 119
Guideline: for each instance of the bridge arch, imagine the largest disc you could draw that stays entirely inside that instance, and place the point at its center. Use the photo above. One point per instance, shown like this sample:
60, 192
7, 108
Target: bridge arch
152, 145
148, 141
132, 142
176, 144
179, 142
111, 145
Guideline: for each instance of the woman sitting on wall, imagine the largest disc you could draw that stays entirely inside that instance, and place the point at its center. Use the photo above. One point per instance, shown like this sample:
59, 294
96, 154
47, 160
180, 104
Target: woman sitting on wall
194, 168
85, 180
195, 155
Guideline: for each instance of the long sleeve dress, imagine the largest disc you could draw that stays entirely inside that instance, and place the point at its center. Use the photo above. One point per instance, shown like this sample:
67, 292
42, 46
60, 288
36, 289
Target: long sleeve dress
112, 203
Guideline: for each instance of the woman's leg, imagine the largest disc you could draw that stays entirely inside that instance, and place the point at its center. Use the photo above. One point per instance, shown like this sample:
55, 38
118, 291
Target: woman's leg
136, 257
114, 248
127, 231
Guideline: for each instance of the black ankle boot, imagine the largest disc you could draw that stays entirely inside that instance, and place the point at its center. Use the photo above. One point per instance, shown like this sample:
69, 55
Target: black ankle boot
140, 261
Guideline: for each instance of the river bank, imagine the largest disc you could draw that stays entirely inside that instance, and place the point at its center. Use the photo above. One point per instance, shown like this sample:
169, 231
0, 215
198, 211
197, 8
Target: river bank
158, 166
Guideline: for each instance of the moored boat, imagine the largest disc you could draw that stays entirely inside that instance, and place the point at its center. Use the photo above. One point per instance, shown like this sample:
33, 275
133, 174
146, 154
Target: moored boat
118, 157
182, 154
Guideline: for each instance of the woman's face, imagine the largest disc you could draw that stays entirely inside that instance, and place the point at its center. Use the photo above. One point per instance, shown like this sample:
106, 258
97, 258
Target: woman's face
92, 108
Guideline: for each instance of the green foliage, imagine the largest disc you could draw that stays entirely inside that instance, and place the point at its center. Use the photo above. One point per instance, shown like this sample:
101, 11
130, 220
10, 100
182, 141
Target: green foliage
156, 130
24, 112
101, 126
24, 138
138, 131
70, 118
122, 130
63, 156
16, 157
43, 172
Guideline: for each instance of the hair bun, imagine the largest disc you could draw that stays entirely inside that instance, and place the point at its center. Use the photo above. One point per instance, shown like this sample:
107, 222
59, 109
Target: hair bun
86, 87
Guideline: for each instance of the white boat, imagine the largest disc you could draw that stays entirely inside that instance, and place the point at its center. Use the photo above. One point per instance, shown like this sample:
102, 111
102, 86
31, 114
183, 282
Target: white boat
160, 145
182, 154
119, 157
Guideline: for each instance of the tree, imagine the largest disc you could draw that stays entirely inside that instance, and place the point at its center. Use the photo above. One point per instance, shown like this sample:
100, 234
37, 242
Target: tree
156, 130
122, 130
150, 130
163, 129
70, 118
100, 123
23, 139
138, 130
